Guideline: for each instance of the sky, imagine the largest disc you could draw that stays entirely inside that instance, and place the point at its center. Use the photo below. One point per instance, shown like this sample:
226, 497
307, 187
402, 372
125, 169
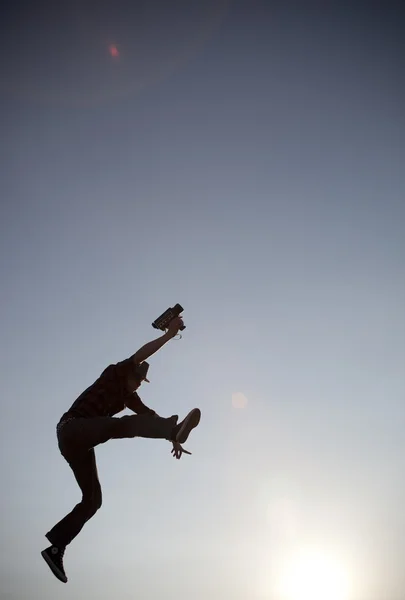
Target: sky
245, 159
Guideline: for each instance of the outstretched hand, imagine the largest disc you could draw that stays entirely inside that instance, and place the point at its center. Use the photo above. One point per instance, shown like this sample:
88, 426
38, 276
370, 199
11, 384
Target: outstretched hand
178, 450
175, 325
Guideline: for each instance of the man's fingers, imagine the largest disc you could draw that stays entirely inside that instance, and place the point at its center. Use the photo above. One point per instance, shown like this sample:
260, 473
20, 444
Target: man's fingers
177, 451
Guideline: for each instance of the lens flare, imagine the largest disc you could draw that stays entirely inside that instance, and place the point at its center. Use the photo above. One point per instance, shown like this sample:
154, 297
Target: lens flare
113, 50
239, 400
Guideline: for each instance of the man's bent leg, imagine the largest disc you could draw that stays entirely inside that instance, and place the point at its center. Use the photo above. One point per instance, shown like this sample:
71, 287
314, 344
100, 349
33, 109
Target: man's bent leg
83, 434
77, 438
84, 468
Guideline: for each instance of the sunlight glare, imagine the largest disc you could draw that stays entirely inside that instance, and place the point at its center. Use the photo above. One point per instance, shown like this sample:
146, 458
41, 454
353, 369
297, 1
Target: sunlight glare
313, 577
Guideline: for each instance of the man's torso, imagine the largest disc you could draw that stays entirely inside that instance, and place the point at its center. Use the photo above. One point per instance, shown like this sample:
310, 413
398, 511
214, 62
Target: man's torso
107, 395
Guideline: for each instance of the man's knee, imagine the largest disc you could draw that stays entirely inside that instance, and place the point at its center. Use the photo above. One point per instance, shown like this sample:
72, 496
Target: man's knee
93, 503
98, 499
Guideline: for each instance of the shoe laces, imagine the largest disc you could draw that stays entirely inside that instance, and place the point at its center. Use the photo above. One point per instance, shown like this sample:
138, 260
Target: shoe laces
58, 553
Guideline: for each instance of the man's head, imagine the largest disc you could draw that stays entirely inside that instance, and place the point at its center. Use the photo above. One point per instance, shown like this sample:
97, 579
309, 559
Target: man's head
141, 372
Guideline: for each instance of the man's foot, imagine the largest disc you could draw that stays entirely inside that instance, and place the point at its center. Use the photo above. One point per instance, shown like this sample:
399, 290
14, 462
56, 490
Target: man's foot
183, 429
53, 556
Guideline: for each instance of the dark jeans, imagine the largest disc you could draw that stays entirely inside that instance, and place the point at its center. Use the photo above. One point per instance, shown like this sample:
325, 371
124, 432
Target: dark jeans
77, 439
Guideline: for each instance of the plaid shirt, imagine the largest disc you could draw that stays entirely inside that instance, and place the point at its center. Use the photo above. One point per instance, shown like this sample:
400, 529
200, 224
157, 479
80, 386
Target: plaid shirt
109, 394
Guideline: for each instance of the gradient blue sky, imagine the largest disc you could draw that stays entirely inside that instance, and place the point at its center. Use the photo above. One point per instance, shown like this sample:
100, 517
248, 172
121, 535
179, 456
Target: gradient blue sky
245, 159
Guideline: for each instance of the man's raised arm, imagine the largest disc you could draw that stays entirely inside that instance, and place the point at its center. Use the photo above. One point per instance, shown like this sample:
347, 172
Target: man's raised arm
152, 347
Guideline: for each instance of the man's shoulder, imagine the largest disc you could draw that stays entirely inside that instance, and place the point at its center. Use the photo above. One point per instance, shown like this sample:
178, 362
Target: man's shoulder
124, 366
118, 371
117, 367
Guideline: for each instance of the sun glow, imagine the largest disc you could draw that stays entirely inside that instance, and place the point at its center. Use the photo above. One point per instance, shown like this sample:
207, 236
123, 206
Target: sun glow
314, 577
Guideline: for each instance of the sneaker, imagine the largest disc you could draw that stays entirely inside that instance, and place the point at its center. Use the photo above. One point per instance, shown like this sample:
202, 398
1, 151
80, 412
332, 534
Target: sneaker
54, 557
183, 429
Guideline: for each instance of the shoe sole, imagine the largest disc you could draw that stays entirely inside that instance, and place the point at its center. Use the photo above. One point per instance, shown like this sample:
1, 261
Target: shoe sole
190, 422
58, 574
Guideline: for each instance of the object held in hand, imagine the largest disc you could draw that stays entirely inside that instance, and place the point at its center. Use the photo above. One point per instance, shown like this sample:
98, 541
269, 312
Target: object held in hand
164, 319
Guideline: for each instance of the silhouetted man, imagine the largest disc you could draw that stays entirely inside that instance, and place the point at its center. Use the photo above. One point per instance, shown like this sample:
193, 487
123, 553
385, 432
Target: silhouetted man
90, 421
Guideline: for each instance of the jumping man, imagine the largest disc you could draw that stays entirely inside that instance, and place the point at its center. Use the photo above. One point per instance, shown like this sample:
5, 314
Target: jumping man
90, 421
